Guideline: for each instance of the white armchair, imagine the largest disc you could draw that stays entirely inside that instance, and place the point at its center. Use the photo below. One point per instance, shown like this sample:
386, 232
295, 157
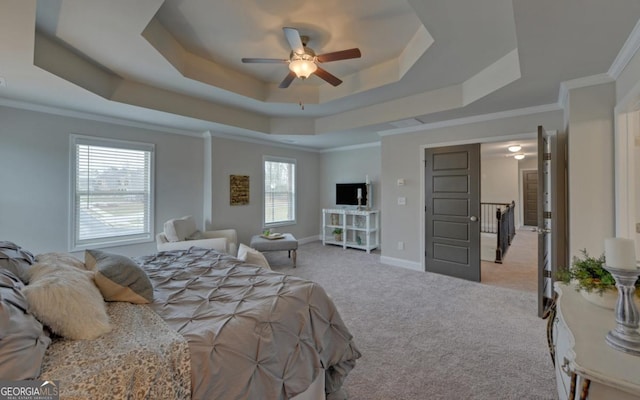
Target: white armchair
182, 233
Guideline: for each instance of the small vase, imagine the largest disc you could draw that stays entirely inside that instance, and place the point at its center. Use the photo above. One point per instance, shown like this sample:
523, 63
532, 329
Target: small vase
606, 299
338, 237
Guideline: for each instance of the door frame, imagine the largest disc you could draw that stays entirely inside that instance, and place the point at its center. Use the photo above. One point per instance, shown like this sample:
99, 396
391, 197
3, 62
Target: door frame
626, 123
492, 139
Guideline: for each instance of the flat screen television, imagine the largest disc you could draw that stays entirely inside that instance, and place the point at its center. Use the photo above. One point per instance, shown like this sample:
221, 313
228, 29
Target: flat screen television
347, 194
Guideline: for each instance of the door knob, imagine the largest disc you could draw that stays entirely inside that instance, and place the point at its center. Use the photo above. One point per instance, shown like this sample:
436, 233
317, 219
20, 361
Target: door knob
473, 218
542, 231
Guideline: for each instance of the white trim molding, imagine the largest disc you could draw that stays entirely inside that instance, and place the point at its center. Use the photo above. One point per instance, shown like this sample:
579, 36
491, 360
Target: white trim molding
473, 119
628, 50
400, 262
563, 94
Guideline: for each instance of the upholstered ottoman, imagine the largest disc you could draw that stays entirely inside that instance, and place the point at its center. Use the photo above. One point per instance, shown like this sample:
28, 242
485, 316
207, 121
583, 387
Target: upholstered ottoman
286, 242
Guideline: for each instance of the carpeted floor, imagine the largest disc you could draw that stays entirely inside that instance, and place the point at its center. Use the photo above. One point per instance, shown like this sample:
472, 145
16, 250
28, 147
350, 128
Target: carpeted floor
428, 336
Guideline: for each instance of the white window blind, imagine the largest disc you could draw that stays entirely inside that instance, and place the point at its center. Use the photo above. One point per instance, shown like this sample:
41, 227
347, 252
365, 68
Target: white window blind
279, 191
112, 192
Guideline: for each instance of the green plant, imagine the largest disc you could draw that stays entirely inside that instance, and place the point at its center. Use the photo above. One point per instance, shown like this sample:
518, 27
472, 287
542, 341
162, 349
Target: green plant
337, 231
589, 274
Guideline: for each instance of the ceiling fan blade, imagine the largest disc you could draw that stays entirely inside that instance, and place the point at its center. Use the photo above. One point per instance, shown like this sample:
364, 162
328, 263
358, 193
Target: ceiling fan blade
339, 55
287, 80
293, 37
264, 60
323, 74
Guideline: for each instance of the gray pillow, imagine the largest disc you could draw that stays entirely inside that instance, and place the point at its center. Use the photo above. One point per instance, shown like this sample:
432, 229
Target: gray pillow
119, 278
23, 340
15, 259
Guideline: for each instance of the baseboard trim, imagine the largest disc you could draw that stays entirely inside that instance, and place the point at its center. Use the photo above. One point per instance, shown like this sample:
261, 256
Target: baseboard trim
399, 262
309, 239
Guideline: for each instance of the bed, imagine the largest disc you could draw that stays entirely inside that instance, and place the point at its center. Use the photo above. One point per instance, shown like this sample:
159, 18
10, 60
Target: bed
253, 333
217, 328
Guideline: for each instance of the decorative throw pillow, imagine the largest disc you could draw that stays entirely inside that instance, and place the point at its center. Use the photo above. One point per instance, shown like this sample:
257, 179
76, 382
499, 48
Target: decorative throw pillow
179, 229
23, 340
15, 259
252, 256
65, 299
119, 278
60, 259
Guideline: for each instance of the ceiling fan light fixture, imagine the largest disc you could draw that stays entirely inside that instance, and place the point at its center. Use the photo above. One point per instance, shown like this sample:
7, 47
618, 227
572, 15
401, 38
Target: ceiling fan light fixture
303, 65
515, 148
519, 156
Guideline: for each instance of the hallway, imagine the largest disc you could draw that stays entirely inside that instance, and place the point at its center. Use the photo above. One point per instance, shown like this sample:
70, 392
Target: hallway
519, 268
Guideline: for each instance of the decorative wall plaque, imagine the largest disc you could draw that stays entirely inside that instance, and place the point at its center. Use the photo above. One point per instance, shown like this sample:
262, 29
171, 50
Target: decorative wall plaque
239, 188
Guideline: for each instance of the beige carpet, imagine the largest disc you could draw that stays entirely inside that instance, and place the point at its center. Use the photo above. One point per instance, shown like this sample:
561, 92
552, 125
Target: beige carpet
429, 336
519, 269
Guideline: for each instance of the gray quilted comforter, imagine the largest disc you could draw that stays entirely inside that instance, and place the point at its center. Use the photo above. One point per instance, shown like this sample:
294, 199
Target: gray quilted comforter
252, 333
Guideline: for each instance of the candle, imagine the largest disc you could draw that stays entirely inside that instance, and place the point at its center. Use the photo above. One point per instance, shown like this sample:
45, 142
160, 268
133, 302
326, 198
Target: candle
620, 253
366, 179
359, 193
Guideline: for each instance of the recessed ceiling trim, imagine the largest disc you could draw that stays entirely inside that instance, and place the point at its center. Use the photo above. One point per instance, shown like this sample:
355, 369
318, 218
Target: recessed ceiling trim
473, 119
626, 53
566, 86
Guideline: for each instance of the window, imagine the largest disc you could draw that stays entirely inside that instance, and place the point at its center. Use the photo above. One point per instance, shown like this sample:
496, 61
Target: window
111, 192
279, 191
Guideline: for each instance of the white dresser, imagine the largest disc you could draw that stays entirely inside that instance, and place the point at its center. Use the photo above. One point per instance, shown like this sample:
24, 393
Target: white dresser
582, 358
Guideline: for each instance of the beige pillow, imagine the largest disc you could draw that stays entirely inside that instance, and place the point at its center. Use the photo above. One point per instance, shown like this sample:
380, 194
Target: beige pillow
60, 259
118, 277
179, 229
252, 256
65, 299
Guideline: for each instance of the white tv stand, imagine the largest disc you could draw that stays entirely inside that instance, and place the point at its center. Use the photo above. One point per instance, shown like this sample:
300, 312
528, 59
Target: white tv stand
360, 228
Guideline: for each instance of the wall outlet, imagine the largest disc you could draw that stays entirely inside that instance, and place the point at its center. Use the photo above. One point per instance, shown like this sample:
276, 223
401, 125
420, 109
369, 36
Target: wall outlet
400, 245
402, 201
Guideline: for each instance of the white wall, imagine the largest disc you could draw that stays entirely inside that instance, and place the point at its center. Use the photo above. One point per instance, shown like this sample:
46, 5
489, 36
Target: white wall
591, 179
499, 182
402, 157
34, 172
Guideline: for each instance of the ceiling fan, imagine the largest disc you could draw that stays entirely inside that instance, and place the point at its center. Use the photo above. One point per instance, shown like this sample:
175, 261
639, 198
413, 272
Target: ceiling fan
303, 61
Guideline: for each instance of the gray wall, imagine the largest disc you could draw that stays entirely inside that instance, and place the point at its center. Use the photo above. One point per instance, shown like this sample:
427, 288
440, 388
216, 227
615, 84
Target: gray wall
349, 166
34, 171
402, 157
35, 165
591, 174
231, 157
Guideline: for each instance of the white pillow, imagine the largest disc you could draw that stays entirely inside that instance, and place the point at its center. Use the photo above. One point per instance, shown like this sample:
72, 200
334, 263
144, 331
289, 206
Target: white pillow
65, 299
252, 256
219, 244
179, 229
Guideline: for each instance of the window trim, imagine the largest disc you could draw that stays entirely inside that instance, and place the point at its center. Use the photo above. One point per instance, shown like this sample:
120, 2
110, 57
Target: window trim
146, 237
264, 191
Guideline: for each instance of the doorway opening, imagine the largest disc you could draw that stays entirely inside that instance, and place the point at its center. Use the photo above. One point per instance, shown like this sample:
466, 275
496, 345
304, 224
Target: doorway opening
506, 179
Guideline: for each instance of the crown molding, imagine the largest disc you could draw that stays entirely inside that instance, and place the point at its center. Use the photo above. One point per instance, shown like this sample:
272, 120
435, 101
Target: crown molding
563, 93
473, 119
63, 112
353, 147
249, 139
628, 50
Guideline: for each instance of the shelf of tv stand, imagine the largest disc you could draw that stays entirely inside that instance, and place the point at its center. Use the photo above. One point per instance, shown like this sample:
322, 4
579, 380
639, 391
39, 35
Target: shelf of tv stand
364, 224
